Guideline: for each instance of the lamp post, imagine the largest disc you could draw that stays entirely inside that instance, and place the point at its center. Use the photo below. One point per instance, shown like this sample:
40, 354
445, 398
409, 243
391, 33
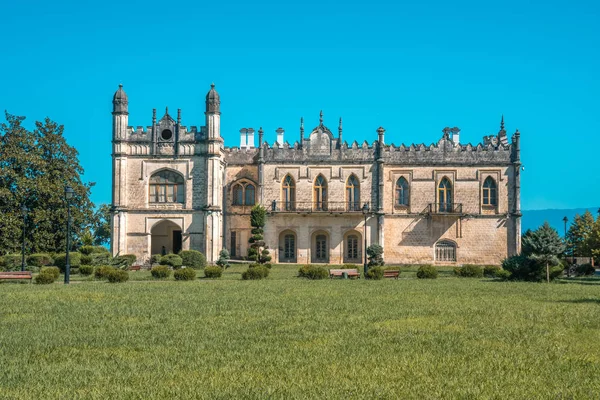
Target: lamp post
24, 212
68, 196
565, 219
365, 211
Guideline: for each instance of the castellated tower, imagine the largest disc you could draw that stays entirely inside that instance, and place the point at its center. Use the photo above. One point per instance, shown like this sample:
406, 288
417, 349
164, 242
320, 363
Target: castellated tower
167, 183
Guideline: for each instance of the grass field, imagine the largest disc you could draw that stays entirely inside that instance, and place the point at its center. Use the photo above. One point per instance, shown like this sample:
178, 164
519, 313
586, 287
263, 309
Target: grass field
289, 338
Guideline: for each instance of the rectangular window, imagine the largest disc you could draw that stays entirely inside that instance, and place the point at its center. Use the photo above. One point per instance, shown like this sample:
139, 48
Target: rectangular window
179, 189
152, 198
170, 194
162, 194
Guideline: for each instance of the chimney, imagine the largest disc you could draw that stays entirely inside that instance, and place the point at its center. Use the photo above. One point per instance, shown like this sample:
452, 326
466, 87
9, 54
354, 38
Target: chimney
456, 136
250, 142
243, 132
280, 132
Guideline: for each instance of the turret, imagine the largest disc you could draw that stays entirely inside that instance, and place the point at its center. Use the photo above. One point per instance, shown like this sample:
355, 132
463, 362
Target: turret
120, 114
213, 121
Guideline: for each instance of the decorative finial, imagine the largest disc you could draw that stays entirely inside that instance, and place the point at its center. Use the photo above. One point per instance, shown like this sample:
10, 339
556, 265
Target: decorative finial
260, 131
517, 133
179, 115
321, 117
502, 123
212, 85
167, 110
302, 123
340, 127
120, 86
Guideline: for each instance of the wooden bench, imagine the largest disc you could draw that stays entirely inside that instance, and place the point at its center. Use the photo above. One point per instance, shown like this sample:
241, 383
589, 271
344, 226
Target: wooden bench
390, 273
340, 273
16, 275
135, 267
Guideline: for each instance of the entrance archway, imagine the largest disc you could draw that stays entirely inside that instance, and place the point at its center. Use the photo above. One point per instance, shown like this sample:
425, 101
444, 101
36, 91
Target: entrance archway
287, 247
320, 247
165, 238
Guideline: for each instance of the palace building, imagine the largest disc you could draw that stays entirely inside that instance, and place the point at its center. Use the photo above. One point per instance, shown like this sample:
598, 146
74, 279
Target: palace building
179, 187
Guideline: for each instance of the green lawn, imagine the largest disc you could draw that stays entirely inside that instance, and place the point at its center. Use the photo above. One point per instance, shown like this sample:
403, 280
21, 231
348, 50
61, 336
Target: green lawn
287, 338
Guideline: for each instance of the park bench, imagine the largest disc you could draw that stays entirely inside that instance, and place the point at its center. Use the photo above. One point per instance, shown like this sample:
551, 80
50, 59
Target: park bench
135, 267
15, 275
340, 273
391, 274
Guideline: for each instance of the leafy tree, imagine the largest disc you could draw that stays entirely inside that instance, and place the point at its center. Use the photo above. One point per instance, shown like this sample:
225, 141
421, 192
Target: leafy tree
579, 236
258, 251
223, 258
375, 255
544, 245
101, 225
36, 166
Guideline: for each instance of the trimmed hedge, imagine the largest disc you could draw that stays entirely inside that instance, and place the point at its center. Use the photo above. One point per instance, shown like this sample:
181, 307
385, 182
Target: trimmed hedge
255, 272
44, 278
184, 274
213, 272
193, 259
103, 271
375, 273
469, 271
101, 258
160, 272
61, 260
117, 276
172, 260
11, 262
491, 271
125, 260
155, 259
86, 270
502, 274
313, 272
51, 270
40, 260
427, 272
88, 250
585, 269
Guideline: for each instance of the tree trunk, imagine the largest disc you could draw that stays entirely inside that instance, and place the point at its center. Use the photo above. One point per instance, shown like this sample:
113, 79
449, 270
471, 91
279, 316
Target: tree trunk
547, 272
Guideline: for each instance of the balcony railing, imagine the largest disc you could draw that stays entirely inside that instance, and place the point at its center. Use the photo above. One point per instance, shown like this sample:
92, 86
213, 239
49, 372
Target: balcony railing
316, 206
443, 208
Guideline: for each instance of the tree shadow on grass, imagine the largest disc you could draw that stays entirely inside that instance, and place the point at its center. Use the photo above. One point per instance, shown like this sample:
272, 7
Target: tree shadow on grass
580, 281
582, 301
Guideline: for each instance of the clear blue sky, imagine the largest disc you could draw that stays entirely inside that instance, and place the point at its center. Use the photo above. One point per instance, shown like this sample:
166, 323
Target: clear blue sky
411, 67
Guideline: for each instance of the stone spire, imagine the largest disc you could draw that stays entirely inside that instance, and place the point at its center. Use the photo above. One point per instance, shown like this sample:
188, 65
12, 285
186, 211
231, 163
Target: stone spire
213, 101
120, 101
321, 118
301, 131
340, 133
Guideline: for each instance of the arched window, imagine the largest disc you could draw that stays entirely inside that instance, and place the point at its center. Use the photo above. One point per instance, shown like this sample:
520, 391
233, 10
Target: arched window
238, 195
402, 193
320, 194
289, 193
321, 247
445, 196
445, 250
249, 196
490, 197
352, 247
166, 187
353, 194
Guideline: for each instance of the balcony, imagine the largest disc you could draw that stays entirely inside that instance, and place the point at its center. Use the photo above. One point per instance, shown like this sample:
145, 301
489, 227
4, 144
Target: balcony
443, 209
316, 207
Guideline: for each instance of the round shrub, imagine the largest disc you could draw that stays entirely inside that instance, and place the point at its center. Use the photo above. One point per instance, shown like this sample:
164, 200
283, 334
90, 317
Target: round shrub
44, 278
86, 270
103, 271
61, 260
39, 260
503, 274
556, 272
193, 259
86, 250
117, 276
375, 273
51, 270
155, 259
469, 271
185, 274
585, 269
74, 271
172, 260
86, 260
12, 262
124, 260
313, 272
160, 271
427, 272
213, 272
103, 258
490, 271
256, 272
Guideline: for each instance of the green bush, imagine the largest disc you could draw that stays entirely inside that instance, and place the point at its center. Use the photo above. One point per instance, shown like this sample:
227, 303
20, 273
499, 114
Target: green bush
86, 259
160, 271
40, 260
103, 271
256, 272
523, 268
193, 259
350, 266
427, 272
125, 260
51, 270
213, 272
86, 270
503, 274
313, 272
44, 278
375, 255
185, 274
155, 259
585, 269
491, 271
61, 260
103, 258
223, 257
117, 276
556, 272
469, 271
12, 262
375, 273
74, 271
172, 260
86, 250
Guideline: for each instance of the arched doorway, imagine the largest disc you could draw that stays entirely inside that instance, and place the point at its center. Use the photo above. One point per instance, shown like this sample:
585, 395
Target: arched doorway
287, 247
353, 247
165, 238
320, 247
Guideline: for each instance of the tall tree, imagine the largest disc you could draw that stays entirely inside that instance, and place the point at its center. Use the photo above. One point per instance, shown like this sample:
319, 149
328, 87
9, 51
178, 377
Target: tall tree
37, 166
545, 245
101, 226
258, 251
579, 236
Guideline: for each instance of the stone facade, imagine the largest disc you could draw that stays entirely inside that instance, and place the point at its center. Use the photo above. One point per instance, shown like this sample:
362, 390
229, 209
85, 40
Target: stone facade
180, 188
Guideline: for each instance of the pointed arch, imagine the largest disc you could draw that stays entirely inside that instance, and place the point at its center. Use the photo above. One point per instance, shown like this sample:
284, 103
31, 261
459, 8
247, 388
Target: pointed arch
353, 193
288, 193
490, 192
166, 186
402, 192
445, 198
249, 195
320, 193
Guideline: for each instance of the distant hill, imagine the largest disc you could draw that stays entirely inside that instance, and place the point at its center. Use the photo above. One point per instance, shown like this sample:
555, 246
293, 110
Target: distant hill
532, 219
